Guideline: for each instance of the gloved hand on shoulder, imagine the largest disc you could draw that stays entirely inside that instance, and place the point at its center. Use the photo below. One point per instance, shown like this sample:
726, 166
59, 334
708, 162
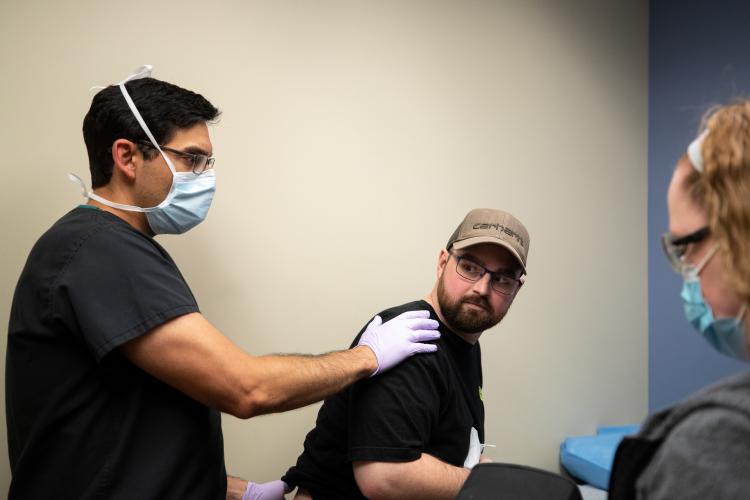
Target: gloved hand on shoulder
400, 337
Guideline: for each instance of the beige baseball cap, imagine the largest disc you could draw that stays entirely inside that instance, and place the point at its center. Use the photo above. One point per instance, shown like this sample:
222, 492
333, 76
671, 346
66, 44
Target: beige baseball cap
487, 225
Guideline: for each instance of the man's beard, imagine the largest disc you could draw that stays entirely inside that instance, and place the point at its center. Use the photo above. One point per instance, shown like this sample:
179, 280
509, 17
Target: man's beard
463, 319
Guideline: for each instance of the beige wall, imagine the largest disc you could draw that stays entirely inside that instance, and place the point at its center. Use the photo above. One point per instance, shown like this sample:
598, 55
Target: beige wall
355, 136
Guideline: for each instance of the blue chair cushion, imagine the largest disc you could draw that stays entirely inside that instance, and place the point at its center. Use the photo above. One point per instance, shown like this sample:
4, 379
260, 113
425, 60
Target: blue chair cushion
589, 458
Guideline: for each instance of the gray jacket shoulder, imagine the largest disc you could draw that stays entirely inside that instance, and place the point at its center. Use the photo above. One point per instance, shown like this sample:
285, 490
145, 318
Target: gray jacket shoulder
705, 451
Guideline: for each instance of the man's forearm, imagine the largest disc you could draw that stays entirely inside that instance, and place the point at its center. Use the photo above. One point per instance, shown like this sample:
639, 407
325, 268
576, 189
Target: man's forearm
194, 357
283, 382
280, 383
425, 478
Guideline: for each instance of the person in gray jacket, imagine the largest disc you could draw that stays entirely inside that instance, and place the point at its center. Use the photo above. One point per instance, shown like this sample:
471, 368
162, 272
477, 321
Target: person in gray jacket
700, 449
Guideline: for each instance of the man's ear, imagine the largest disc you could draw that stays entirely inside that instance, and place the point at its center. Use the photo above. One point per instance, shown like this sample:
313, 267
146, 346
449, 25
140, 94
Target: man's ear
442, 261
124, 156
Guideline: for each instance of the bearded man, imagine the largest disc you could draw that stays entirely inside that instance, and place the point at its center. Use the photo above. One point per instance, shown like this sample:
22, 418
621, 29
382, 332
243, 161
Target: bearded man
416, 431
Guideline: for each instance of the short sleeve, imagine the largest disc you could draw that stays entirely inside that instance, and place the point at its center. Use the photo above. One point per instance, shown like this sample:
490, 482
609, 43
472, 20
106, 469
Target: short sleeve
118, 285
705, 456
391, 416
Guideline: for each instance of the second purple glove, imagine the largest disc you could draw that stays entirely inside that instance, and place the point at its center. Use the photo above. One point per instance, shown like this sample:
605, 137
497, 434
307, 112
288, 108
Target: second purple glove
273, 490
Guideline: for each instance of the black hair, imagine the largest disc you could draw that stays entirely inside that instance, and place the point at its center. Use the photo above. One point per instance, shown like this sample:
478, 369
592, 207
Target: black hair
165, 108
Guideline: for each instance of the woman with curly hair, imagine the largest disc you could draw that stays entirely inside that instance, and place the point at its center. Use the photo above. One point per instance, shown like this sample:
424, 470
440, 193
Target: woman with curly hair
700, 449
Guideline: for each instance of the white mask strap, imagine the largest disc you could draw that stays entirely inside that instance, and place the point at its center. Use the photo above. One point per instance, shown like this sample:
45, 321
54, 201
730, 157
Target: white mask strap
695, 151
143, 72
103, 201
705, 259
740, 314
692, 272
140, 72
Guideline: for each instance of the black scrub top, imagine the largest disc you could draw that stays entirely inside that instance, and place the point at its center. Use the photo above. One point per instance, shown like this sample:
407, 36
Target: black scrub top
83, 422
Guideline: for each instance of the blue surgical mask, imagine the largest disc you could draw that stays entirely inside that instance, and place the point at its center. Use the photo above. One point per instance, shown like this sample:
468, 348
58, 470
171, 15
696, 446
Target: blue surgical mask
189, 200
726, 335
190, 196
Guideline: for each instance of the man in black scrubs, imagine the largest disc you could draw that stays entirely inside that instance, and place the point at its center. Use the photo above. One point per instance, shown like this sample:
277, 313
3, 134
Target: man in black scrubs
114, 379
417, 430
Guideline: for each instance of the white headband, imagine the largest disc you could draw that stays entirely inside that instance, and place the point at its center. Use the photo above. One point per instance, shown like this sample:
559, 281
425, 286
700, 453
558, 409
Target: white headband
695, 151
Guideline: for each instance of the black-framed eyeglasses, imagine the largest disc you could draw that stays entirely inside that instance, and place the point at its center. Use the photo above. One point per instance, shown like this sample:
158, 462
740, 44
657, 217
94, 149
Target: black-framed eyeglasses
675, 248
198, 163
500, 281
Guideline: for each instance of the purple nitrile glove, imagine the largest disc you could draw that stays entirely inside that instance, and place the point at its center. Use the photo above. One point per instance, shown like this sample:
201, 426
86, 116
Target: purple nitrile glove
397, 339
273, 490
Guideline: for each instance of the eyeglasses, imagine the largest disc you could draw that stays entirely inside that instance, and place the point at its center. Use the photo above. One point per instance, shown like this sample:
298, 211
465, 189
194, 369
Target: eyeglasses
197, 162
500, 281
675, 248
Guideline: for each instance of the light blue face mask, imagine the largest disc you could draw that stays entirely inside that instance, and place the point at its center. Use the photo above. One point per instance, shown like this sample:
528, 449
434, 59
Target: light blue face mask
187, 203
726, 335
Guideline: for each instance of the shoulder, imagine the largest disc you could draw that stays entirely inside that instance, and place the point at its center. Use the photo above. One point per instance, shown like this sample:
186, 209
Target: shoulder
719, 412
392, 312
417, 305
418, 362
80, 238
710, 427
98, 252
731, 394
87, 235
705, 452
80, 225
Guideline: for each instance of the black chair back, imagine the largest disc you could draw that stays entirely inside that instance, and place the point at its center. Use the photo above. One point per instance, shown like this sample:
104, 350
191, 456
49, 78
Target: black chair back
516, 482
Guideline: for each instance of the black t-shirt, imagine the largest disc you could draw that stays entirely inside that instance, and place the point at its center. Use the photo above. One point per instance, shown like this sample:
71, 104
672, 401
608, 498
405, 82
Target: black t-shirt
84, 422
427, 404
